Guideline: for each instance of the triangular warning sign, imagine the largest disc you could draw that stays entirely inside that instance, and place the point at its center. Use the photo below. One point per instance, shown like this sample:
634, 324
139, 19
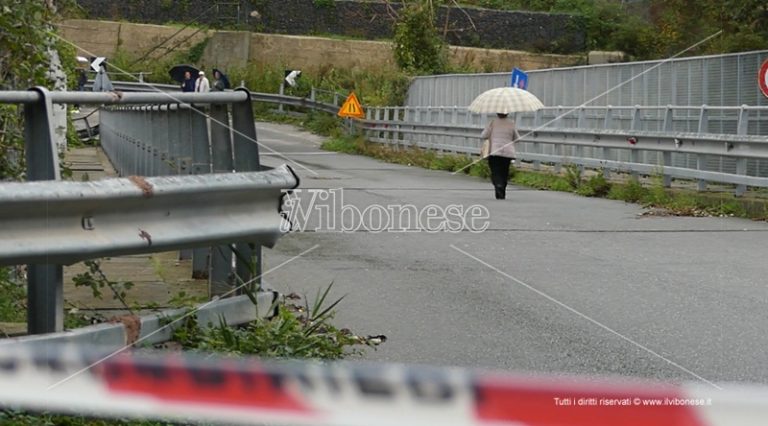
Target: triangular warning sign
351, 107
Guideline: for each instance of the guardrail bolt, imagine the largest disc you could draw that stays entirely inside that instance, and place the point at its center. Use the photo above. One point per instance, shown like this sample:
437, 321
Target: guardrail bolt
87, 223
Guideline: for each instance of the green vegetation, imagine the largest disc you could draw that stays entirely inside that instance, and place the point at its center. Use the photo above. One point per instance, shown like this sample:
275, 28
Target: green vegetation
418, 46
672, 202
653, 29
13, 298
297, 331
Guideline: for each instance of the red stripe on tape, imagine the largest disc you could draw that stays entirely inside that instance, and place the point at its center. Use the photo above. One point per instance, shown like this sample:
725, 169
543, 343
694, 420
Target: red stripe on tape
534, 404
227, 384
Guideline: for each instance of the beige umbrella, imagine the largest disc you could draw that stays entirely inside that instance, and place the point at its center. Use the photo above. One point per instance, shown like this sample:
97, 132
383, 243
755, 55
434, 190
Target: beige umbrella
505, 100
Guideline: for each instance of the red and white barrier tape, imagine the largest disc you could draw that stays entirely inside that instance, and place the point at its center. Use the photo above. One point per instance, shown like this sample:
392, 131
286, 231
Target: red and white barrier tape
244, 390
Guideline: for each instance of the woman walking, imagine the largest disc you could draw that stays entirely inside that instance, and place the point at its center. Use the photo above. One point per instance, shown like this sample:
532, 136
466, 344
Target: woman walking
502, 133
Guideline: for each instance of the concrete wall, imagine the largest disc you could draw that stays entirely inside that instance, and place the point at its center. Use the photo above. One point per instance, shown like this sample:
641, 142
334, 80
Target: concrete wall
103, 38
473, 27
228, 49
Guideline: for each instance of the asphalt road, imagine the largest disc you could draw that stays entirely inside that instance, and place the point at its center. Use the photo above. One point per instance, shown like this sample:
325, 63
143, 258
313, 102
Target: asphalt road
556, 284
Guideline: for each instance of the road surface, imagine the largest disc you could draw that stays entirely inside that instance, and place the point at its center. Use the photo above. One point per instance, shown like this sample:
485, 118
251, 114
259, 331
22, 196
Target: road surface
557, 284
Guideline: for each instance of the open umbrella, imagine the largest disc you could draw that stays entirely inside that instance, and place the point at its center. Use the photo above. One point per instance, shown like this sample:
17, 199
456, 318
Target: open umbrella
505, 100
177, 72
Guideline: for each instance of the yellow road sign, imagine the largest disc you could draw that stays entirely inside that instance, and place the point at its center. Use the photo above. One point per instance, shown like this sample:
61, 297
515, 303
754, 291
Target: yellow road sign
351, 107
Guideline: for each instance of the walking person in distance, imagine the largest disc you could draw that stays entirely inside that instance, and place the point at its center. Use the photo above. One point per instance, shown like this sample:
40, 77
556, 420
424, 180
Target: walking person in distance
502, 134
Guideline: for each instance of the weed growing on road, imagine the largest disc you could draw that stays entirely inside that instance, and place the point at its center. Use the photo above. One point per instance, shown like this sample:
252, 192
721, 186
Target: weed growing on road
296, 331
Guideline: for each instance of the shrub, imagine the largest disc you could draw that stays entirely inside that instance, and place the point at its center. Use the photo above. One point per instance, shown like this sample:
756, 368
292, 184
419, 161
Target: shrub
631, 192
596, 186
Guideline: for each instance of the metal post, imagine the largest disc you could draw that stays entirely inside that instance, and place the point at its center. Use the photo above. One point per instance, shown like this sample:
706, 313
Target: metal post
537, 119
246, 158
183, 153
45, 283
742, 128
282, 92
220, 272
633, 151
607, 123
701, 159
667, 155
201, 164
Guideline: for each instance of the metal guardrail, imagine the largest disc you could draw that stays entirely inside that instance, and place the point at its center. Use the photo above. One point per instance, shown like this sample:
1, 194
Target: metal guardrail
737, 158
112, 217
170, 197
157, 328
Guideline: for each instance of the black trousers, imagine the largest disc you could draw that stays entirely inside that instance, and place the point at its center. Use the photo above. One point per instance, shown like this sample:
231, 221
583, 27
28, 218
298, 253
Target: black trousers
499, 174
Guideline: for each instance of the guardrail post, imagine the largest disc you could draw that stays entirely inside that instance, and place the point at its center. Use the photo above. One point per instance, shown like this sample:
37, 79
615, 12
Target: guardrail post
248, 258
667, 155
313, 94
201, 164
378, 133
701, 159
537, 120
742, 128
183, 152
45, 282
220, 273
606, 152
388, 131
633, 151
281, 92
368, 116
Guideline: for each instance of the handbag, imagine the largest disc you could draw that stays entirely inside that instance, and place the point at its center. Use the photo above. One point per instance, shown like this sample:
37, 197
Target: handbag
485, 148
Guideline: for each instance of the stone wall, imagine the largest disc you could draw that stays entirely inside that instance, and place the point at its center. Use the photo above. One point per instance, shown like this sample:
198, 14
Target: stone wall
228, 49
474, 27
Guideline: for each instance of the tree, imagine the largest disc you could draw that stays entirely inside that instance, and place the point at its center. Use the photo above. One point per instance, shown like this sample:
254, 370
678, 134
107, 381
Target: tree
418, 45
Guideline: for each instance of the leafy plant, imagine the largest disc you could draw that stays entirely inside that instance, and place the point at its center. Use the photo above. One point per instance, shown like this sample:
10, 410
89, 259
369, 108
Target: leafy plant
596, 186
631, 192
573, 176
96, 280
297, 331
13, 296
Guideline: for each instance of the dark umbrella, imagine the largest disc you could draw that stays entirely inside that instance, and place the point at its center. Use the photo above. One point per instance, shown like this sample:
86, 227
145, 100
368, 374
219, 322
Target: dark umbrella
177, 72
224, 78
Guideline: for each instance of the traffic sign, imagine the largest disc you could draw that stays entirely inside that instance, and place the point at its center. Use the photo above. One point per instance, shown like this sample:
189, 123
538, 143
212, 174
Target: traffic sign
96, 64
351, 107
519, 79
762, 78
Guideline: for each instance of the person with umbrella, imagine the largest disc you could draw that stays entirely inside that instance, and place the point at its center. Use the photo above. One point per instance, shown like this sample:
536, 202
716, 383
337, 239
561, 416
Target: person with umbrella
188, 85
220, 81
501, 131
183, 74
502, 134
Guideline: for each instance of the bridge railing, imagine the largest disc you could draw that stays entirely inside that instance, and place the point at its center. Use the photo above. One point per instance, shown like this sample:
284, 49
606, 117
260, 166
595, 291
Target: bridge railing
682, 142
158, 141
709, 144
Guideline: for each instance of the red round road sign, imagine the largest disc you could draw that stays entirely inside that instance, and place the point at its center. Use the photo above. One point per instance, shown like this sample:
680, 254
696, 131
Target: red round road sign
762, 78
